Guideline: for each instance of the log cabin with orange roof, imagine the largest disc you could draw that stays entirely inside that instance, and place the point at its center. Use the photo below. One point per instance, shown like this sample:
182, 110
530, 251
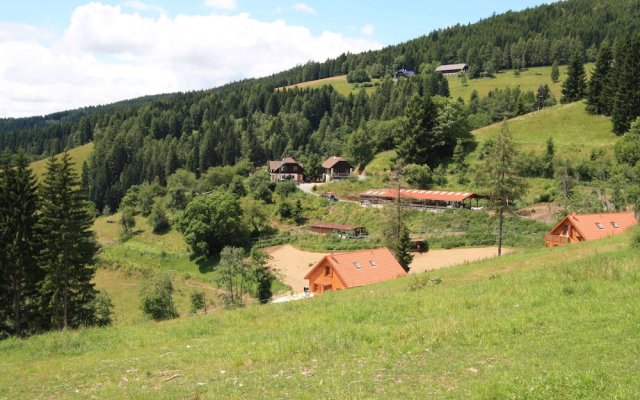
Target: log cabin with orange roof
339, 271
576, 228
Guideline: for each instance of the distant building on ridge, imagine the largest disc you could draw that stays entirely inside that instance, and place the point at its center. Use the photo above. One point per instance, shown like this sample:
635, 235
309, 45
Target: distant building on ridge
450, 69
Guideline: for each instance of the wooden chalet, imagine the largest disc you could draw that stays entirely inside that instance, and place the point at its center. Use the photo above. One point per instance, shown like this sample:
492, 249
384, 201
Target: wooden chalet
435, 199
450, 69
336, 168
580, 227
286, 169
339, 271
347, 231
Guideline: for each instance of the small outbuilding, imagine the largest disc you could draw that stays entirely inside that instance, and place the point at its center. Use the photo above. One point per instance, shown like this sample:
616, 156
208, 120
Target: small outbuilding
580, 227
325, 228
450, 69
403, 73
286, 169
336, 168
339, 271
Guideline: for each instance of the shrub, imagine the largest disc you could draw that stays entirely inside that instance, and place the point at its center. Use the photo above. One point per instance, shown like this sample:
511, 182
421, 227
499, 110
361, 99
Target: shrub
156, 299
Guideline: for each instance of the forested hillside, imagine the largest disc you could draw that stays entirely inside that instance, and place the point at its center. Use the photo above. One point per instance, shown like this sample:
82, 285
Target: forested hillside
150, 138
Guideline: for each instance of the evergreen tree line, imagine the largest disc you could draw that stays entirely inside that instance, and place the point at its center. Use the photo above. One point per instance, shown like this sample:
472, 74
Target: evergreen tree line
536, 36
614, 88
47, 251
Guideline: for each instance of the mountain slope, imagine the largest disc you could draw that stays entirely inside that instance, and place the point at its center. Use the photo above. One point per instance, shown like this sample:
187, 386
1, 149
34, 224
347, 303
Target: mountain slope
552, 323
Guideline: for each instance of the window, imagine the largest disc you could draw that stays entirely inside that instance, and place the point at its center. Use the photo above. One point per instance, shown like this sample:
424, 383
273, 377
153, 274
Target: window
565, 230
615, 224
599, 225
327, 271
373, 263
358, 265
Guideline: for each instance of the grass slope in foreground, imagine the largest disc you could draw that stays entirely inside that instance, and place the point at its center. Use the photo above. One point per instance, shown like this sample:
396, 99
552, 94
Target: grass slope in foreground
551, 323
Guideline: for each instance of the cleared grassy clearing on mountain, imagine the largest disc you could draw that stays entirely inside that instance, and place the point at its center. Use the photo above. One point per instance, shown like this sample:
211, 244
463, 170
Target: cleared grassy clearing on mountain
78, 155
548, 323
573, 130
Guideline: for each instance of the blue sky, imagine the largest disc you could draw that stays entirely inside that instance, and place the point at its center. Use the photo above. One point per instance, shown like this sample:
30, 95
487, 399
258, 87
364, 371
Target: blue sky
65, 54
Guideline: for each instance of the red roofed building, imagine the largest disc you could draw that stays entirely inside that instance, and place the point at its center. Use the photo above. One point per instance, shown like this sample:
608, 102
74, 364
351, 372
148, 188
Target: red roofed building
336, 168
580, 227
339, 271
348, 230
286, 169
421, 198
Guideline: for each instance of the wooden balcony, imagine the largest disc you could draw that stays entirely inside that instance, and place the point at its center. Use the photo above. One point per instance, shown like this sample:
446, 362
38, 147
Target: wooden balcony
555, 240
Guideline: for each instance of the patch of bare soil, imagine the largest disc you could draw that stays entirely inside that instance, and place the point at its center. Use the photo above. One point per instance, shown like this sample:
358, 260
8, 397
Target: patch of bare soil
541, 212
292, 264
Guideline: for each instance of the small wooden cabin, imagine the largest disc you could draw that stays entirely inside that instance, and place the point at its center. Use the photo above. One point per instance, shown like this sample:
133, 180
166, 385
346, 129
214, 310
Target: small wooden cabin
580, 227
339, 271
325, 228
450, 69
336, 168
286, 169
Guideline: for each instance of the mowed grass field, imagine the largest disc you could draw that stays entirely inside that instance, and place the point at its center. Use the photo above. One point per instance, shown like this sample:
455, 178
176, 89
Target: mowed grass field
78, 156
529, 79
542, 324
573, 130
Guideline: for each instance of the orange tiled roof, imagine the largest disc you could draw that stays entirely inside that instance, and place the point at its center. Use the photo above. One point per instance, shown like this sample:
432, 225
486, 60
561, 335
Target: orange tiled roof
416, 194
373, 265
597, 226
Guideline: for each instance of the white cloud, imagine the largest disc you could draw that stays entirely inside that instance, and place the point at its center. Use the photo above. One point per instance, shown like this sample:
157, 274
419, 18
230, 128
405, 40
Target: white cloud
141, 6
107, 54
221, 4
367, 30
304, 7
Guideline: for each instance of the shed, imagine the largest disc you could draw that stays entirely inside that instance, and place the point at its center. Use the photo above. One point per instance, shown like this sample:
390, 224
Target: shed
449, 69
338, 271
580, 227
348, 230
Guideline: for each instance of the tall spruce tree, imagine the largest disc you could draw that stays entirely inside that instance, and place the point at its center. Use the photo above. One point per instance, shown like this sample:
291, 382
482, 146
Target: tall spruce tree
555, 72
574, 87
597, 101
626, 100
18, 218
498, 176
5, 303
417, 140
69, 248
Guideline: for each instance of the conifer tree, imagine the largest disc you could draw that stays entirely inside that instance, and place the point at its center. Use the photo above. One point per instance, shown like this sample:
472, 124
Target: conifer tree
18, 218
626, 100
69, 248
574, 87
597, 101
417, 141
555, 72
499, 178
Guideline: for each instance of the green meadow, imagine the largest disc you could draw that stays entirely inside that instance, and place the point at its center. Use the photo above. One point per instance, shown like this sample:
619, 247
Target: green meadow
78, 156
539, 324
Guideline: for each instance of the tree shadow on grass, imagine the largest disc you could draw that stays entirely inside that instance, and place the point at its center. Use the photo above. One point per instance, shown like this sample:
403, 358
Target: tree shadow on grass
205, 264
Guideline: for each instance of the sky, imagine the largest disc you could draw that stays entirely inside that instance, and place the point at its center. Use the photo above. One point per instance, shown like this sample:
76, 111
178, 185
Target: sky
60, 55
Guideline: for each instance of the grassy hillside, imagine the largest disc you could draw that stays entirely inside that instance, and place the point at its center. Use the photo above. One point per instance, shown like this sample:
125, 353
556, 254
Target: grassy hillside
339, 83
552, 323
78, 156
573, 130
528, 79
